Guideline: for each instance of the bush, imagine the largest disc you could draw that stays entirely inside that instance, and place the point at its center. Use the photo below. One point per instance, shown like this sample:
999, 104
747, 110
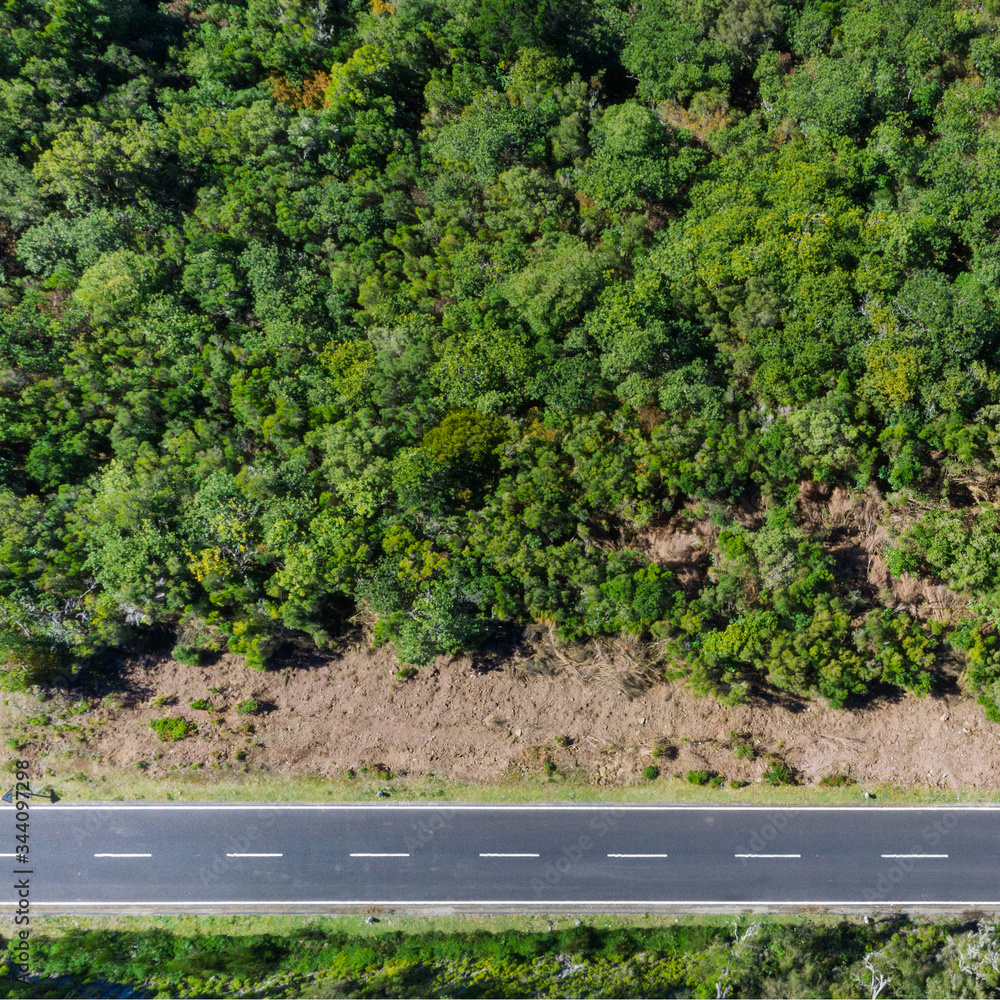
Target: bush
406, 673
717, 781
562, 741
172, 730
202, 705
550, 767
190, 656
247, 707
699, 777
836, 781
738, 784
779, 773
651, 772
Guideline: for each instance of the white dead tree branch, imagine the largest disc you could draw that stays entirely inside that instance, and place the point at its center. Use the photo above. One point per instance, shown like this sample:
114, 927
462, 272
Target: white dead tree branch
873, 979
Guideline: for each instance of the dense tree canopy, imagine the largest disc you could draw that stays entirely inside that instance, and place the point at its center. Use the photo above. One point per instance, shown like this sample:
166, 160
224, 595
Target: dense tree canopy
429, 309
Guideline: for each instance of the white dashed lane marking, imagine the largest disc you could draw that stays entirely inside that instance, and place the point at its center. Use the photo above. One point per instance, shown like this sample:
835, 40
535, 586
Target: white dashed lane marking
767, 855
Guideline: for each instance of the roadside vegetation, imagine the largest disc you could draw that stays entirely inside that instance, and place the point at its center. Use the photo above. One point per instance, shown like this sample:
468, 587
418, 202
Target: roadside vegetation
436, 316
891, 956
102, 784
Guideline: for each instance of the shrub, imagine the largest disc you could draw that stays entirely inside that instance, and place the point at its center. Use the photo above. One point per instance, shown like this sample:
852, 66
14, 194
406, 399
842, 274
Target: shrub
651, 772
406, 673
241, 755
172, 730
717, 781
201, 704
665, 750
779, 773
699, 777
738, 784
836, 781
190, 656
247, 707
38, 720
562, 741
550, 767
13, 743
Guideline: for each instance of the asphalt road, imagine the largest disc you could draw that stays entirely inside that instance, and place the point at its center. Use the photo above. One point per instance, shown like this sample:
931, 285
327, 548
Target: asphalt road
119, 856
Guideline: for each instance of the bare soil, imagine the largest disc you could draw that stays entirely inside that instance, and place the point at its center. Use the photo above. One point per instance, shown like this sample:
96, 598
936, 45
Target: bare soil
324, 716
595, 711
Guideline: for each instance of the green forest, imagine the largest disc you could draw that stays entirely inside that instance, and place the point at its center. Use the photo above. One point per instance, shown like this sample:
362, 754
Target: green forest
763, 956
419, 314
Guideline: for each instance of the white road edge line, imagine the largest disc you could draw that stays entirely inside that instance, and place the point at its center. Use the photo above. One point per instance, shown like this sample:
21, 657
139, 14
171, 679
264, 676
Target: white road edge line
637, 855
255, 855
123, 855
531, 902
541, 807
508, 855
767, 855
914, 855
373, 855
8, 855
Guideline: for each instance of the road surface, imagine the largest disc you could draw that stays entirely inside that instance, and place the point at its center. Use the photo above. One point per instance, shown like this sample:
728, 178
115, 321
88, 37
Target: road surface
118, 857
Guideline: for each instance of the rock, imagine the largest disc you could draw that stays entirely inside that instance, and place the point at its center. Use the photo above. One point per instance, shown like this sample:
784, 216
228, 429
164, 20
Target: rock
371, 920
642, 722
945, 717
517, 732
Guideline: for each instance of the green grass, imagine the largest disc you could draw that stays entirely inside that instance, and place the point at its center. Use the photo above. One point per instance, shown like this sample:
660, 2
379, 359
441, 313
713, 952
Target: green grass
103, 784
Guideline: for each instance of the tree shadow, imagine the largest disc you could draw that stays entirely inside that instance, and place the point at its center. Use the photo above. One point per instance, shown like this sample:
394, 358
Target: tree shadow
507, 642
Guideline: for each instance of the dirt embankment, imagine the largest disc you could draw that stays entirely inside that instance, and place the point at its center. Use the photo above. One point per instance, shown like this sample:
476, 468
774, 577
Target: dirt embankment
325, 716
480, 718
